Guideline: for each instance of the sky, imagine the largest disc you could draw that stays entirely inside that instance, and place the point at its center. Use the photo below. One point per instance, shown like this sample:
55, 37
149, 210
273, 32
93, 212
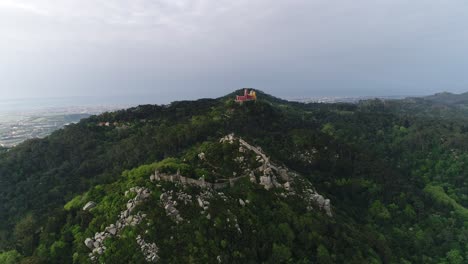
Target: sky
183, 49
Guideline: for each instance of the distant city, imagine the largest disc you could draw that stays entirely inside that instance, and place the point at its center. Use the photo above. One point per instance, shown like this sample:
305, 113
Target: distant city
22, 119
18, 126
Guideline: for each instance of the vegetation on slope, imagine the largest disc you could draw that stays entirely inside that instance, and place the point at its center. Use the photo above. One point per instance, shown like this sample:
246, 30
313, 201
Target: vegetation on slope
396, 178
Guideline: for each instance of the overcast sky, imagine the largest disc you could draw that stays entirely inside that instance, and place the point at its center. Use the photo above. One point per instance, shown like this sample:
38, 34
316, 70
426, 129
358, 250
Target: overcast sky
206, 48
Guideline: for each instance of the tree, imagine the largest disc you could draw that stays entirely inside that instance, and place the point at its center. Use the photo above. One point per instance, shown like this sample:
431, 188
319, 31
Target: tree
323, 256
379, 211
280, 253
10, 257
454, 257
58, 251
24, 234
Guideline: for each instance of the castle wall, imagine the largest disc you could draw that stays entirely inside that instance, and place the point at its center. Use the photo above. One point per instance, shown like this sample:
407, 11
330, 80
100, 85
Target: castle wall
194, 182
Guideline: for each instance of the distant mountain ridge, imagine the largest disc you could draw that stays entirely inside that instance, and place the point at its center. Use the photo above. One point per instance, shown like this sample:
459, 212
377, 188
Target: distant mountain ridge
448, 98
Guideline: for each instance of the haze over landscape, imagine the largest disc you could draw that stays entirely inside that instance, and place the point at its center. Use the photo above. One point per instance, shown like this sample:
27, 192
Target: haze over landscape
187, 49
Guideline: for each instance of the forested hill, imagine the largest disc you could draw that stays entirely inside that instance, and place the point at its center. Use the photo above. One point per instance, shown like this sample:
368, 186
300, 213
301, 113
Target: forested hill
269, 181
438, 106
448, 98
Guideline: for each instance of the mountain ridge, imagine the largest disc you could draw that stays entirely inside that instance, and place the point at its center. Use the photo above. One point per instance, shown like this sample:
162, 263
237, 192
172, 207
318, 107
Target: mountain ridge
448, 98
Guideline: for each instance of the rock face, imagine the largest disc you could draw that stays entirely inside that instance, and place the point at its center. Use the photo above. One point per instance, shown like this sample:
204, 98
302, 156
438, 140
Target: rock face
266, 182
169, 205
89, 243
321, 202
201, 156
150, 251
271, 175
89, 206
111, 229
241, 202
125, 218
203, 201
228, 139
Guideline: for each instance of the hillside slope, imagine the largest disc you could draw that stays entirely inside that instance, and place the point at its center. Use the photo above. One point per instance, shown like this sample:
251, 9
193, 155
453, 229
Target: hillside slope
438, 106
448, 98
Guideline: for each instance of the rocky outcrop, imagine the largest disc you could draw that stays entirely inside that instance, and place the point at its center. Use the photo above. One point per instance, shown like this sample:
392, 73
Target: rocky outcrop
319, 200
266, 182
203, 202
231, 221
89, 205
228, 139
150, 251
269, 172
169, 205
126, 218
241, 202
184, 197
271, 175
201, 156
89, 243
306, 156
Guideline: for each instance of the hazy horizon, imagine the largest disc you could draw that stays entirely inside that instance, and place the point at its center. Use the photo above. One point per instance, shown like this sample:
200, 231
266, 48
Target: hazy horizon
151, 96
189, 49
83, 100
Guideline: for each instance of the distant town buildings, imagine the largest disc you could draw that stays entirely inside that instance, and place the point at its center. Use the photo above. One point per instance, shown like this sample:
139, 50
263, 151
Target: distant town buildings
16, 127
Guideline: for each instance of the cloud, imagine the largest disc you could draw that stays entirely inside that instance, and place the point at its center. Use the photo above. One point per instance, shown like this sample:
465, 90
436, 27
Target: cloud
23, 7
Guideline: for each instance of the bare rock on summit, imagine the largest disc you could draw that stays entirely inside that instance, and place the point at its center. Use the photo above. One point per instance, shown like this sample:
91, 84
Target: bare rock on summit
89, 205
266, 182
112, 230
89, 243
283, 173
241, 202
